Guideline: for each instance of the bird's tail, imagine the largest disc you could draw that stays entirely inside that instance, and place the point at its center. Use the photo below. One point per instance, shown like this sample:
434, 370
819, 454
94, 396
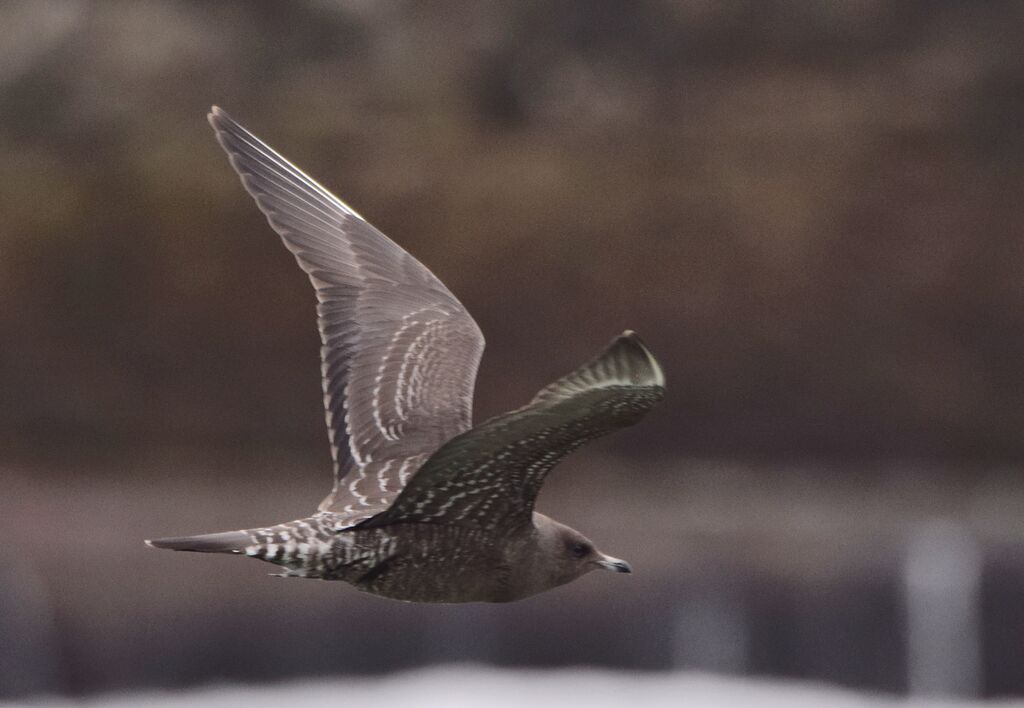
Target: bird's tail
225, 542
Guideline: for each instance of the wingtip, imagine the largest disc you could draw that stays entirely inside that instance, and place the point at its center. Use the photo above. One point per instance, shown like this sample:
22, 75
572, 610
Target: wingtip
149, 543
657, 373
216, 116
630, 337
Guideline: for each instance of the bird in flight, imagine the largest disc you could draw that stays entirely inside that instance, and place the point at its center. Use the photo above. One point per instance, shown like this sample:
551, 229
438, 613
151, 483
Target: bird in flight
425, 506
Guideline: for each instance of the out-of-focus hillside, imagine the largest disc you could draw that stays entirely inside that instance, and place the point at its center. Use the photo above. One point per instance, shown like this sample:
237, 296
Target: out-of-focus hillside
812, 212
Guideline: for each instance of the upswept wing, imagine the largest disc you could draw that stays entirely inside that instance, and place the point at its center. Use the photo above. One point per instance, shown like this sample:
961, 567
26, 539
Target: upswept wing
489, 477
400, 353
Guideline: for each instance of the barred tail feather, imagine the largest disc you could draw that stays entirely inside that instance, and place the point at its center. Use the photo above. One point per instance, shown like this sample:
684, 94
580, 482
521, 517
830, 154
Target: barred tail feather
225, 542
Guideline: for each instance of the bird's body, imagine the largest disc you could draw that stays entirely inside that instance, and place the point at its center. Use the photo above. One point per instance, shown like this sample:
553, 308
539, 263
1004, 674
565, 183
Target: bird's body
425, 507
412, 561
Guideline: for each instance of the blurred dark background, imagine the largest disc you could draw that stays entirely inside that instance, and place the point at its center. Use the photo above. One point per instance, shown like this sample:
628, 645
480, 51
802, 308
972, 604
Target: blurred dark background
811, 211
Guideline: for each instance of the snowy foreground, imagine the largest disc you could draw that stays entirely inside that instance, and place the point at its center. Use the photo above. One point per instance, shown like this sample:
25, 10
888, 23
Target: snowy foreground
455, 687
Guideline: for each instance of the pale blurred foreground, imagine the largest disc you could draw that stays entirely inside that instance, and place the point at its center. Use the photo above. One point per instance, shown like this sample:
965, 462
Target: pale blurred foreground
455, 687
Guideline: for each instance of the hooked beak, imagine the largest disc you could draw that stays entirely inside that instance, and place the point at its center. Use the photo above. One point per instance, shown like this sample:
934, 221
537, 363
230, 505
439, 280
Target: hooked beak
614, 564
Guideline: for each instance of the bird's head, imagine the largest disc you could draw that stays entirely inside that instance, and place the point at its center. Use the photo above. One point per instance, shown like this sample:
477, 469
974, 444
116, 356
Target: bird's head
566, 554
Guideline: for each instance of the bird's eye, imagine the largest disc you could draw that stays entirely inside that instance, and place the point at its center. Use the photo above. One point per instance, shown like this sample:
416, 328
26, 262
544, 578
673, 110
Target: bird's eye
579, 549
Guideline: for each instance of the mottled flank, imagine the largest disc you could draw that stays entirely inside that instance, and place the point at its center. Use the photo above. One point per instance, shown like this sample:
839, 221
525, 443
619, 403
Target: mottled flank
424, 507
